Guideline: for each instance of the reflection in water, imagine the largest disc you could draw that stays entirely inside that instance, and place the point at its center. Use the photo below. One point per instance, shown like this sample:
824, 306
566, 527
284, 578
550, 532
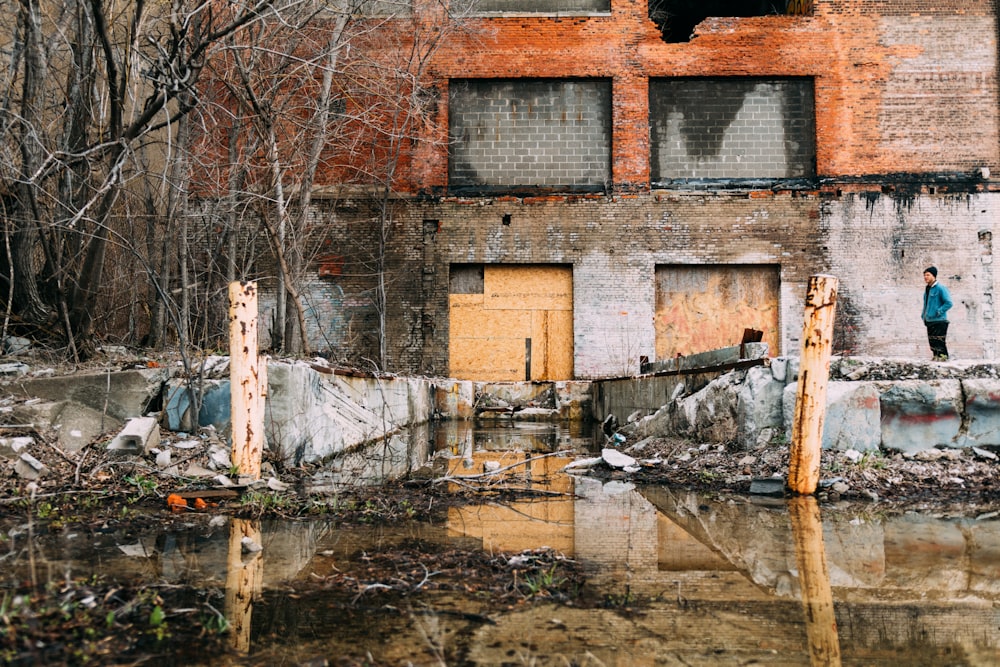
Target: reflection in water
814, 580
409, 450
681, 578
244, 578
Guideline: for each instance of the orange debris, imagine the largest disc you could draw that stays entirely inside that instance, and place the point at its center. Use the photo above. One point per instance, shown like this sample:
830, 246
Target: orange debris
176, 503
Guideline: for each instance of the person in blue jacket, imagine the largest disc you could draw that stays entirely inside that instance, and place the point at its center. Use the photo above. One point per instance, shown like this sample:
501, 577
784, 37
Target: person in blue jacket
937, 301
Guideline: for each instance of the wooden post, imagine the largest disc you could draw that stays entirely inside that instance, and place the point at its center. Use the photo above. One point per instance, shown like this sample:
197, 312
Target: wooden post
244, 582
247, 379
814, 582
814, 375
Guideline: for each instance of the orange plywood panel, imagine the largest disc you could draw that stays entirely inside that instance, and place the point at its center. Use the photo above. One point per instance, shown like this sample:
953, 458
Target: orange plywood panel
528, 287
551, 344
700, 308
488, 342
487, 359
470, 320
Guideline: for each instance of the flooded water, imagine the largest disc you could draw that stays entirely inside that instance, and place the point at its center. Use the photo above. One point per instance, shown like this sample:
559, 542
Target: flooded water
682, 579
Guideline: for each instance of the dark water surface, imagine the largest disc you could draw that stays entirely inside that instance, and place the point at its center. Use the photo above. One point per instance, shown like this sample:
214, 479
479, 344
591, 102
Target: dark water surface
684, 579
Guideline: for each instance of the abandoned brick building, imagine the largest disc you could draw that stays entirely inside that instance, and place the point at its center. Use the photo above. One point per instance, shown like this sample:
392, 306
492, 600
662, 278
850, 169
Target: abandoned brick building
612, 180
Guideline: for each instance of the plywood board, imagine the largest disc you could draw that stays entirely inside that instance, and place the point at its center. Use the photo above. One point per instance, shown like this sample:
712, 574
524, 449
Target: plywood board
469, 319
489, 331
551, 344
529, 287
700, 308
487, 359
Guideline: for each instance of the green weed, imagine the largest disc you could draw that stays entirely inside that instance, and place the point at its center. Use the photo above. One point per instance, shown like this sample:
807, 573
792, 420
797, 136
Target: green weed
543, 582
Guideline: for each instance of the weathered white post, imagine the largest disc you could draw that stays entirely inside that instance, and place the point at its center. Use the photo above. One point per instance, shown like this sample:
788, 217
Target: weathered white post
247, 380
814, 375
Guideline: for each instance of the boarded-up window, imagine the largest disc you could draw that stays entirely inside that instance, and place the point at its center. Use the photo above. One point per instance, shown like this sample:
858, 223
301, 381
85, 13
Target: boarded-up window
529, 133
733, 128
705, 307
511, 323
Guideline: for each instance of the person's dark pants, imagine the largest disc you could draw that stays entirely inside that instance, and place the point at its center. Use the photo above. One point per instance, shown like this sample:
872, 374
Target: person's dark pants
936, 334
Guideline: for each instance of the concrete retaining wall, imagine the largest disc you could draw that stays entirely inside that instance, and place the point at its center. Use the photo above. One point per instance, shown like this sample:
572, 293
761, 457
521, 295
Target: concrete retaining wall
889, 404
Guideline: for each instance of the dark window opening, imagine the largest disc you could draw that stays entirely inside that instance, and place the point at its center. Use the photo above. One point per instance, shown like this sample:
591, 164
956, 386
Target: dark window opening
676, 19
466, 279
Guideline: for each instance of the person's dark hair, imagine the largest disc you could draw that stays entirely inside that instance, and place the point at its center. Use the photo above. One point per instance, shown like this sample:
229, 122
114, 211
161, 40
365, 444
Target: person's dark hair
931, 270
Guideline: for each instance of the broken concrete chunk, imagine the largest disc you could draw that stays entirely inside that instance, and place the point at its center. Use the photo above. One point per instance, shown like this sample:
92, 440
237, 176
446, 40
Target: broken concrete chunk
11, 448
276, 484
984, 454
583, 463
163, 459
15, 369
250, 546
139, 436
28, 467
219, 458
223, 480
616, 459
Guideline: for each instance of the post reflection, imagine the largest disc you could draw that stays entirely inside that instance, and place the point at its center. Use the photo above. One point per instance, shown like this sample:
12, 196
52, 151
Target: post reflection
814, 581
244, 577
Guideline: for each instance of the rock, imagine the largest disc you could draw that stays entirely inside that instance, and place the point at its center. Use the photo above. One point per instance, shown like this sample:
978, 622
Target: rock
983, 454
767, 486
28, 467
852, 419
11, 448
759, 406
921, 414
249, 546
616, 459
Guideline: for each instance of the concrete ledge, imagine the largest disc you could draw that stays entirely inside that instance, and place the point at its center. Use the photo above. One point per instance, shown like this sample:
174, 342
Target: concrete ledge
919, 414
853, 415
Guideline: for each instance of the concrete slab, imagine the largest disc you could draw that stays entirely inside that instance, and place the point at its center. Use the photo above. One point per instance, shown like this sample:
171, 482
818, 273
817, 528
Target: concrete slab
918, 414
120, 394
982, 411
852, 419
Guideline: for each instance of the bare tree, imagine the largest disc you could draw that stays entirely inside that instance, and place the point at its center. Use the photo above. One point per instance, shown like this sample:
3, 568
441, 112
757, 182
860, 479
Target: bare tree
338, 107
91, 85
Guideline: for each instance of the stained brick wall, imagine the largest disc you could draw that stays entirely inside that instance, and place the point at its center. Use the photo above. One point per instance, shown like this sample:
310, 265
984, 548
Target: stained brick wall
899, 87
906, 117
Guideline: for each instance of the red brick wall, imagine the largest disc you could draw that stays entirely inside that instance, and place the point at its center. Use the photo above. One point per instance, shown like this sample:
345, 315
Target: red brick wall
900, 87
